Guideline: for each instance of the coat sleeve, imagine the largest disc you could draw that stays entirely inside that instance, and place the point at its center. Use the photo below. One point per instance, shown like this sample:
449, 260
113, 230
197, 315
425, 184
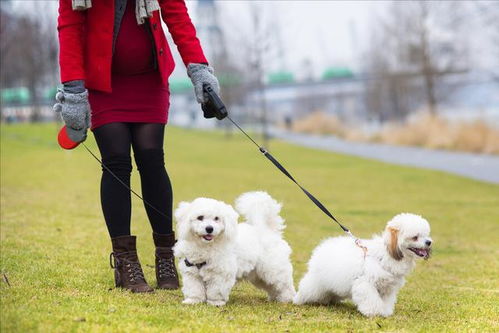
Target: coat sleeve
71, 28
174, 14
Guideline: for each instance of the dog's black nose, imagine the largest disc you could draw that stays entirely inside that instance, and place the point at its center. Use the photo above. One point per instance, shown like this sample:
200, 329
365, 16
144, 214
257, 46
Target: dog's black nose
428, 242
209, 229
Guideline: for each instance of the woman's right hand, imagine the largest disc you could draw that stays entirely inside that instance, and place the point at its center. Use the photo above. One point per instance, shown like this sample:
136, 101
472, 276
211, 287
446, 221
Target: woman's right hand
75, 111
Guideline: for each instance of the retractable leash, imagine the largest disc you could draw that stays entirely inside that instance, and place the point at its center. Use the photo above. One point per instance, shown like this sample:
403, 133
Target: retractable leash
216, 108
66, 143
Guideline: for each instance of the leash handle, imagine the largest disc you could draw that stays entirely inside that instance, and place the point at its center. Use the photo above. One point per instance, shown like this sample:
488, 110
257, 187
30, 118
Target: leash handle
214, 107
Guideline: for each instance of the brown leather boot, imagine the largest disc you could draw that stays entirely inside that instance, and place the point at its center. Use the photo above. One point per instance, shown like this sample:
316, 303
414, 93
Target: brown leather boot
166, 272
128, 273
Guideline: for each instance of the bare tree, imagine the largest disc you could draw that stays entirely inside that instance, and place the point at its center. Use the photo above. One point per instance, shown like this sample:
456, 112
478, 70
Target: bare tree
260, 46
224, 63
488, 15
231, 84
9, 63
386, 87
29, 51
416, 41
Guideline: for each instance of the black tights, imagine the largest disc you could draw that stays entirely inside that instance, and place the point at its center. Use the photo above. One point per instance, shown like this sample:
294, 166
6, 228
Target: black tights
114, 141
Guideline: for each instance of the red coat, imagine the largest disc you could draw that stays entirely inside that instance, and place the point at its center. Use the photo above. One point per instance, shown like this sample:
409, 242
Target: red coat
86, 41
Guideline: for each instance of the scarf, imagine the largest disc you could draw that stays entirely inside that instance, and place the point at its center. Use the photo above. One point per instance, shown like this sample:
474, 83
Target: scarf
143, 8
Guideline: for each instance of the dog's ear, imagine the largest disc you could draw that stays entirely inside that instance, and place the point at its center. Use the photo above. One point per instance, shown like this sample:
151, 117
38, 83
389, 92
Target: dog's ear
181, 211
230, 222
392, 243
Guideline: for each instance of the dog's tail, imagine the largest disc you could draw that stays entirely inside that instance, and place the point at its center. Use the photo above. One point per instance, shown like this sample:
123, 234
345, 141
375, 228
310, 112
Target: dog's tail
260, 209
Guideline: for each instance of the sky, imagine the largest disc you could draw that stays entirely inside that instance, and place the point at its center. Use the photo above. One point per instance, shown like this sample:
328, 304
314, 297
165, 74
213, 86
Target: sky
320, 31
330, 32
326, 32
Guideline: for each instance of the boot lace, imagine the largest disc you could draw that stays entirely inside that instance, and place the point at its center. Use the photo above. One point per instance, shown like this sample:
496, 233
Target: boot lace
132, 268
166, 268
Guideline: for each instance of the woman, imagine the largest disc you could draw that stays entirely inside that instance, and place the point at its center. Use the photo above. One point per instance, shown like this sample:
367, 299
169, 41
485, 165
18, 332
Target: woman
118, 51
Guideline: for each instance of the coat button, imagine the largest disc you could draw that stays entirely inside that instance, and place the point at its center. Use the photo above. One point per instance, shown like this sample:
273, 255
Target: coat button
160, 51
154, 26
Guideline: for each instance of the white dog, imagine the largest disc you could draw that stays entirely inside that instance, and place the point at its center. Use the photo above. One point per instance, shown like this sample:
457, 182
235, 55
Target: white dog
370, 272
215, 250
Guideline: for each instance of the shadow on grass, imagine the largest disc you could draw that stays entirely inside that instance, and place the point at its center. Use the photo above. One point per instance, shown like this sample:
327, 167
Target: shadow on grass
337, 308
252, 300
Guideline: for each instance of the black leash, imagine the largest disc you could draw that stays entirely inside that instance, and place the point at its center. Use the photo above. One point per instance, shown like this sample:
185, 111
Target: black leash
125, 185
285, 172
263, 151
215, 108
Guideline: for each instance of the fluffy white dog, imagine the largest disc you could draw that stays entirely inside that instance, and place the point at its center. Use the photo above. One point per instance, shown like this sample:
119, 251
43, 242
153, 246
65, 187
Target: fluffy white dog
370, 272
215, 250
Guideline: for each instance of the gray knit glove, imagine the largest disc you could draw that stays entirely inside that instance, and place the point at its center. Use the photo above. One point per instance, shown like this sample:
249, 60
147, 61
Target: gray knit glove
200, 75
75, 112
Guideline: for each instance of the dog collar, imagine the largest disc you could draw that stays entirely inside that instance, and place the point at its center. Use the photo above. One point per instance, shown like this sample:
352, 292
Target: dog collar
198, 266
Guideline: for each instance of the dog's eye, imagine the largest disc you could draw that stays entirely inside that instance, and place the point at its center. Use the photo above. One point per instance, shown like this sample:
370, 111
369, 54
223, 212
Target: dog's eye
200, 217
415, 238
216, 218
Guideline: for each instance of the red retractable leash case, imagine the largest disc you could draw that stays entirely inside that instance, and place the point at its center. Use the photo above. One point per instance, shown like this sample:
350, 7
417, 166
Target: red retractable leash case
64, 141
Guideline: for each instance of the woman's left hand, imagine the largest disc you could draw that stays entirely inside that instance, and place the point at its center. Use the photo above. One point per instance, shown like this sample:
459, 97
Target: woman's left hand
200, 75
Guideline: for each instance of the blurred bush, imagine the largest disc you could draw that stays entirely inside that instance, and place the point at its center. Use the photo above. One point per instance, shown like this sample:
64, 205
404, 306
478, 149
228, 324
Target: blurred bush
424, 130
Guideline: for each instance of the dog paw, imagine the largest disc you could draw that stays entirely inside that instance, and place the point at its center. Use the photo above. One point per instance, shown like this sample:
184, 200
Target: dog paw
386, 313
191, 301
371, 313
285, 298
297, 300
368, 312
216, 303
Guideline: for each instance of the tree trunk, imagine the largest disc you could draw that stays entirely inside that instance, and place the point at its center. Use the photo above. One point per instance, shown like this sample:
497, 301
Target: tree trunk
427, 67
36, 115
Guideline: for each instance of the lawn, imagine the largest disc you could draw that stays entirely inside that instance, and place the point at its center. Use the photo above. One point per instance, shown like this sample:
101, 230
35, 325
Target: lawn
55, 248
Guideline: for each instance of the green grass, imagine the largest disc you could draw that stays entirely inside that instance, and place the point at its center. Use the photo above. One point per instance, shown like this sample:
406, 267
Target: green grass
55, 247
